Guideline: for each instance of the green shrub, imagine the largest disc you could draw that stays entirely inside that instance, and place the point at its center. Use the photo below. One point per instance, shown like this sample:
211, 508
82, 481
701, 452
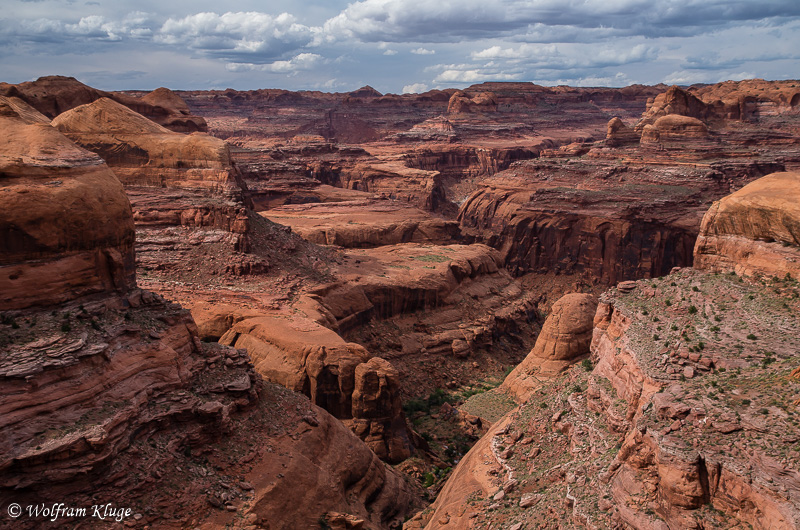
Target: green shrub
692, 310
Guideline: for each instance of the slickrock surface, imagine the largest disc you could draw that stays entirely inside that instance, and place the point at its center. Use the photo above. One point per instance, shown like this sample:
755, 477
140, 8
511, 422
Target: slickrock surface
564, 340
142, 152
755, 230
65, 223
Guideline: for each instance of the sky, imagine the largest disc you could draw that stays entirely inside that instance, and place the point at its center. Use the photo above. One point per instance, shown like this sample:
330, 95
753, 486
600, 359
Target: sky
397, 46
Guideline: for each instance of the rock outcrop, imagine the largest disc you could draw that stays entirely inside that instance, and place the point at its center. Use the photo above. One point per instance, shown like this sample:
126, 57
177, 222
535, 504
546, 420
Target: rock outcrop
65, 225
142, 152
340, 377
565, 338
364, 224
674, 128
674, 101
619, 134
754, 230
169, 110
106, 391
682, 421
52, 95
461, 103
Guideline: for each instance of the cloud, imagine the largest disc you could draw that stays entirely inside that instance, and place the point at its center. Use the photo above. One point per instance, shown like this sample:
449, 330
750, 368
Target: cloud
415, 88
447, 20
300, 62
422, 51
390, 52
259, 36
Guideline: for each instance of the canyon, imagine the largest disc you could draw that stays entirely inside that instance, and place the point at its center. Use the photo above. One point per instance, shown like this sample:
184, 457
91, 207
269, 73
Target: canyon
216, 304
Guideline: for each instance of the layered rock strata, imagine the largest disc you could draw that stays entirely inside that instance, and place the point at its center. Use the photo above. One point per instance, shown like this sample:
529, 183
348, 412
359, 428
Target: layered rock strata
142, 152
87, 246
754, 230
684, 420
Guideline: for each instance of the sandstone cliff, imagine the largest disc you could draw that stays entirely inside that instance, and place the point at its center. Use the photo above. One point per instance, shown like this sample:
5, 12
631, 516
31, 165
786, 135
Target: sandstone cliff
66, 224
142, 152
754, 230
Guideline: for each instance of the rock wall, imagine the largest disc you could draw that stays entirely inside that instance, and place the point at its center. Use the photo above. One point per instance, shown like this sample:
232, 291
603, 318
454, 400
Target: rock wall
605, 248
754, 230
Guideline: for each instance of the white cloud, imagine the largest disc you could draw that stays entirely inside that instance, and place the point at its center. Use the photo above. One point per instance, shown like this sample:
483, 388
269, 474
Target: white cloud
238, 34
422, 51
300, 62
390, 52
415, 88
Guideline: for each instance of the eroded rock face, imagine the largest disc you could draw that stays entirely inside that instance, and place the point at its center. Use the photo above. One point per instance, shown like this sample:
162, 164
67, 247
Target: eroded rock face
145, 153
340, 377
674, 128
674, 101
65, 227
754, 230
620, 134
564, 339
460, 103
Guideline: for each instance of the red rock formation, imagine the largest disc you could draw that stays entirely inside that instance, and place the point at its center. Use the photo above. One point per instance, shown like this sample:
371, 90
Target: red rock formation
364, 224
674, 128
674, 101
754, 230
619, 134
461, 103
52, 95
144, 153
564, 339
340, 377
168, 109
86, 249
107, 394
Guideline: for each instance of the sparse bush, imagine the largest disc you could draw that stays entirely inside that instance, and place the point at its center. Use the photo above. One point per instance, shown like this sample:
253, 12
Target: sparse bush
692, 310
695, 289
751, 337
587, 364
